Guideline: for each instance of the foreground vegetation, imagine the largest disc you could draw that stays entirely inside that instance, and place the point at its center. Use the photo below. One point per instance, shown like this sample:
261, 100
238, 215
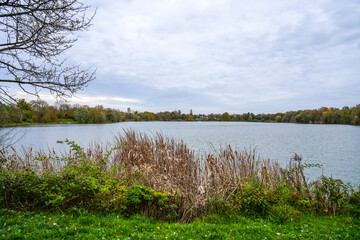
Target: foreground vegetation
40, 112
162, 179
79, 224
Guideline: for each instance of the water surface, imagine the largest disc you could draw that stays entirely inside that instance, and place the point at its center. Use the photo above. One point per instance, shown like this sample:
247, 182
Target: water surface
336, 147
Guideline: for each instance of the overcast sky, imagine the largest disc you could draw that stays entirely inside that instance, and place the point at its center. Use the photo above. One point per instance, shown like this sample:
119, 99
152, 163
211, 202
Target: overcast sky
216, 56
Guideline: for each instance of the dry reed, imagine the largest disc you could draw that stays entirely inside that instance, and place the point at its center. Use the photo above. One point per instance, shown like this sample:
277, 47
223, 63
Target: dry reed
166, 164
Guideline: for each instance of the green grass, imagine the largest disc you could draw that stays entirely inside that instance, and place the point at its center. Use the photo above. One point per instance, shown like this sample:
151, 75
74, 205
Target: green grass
79, 224
62, 121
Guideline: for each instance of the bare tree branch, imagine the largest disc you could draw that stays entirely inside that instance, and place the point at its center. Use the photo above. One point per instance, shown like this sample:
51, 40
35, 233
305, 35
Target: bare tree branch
33, 35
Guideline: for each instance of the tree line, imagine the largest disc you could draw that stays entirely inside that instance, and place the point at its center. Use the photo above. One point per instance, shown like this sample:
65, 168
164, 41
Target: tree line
38, 111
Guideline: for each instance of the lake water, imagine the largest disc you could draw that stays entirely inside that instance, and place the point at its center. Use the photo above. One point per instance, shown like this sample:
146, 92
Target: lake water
336, 147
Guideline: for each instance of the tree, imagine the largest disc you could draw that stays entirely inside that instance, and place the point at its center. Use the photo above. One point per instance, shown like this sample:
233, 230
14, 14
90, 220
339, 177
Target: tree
63, 110
149, 116
41, 111
111, 115
4, 115
225, 116
82, 115
33, 36
25, 109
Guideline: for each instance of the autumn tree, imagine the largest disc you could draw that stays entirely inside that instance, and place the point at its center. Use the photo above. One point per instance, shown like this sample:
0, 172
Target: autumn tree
225, 116
34, 34
41, 112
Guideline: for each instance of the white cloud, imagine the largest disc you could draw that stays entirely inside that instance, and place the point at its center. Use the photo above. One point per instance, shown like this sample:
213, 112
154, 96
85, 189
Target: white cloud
82, 99
279, 49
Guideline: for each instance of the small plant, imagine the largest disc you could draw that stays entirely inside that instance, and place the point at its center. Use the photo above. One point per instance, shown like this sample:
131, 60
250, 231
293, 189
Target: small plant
138, 198
283, 213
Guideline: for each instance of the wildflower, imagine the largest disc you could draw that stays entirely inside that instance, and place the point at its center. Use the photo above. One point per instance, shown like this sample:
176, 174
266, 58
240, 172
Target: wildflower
158, 227
278, 234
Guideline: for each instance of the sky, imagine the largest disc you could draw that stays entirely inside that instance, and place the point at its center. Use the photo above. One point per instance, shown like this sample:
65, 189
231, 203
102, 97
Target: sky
216, 56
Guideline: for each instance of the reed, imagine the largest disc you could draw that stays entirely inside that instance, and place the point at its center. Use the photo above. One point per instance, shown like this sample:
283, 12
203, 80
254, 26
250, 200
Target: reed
167, 165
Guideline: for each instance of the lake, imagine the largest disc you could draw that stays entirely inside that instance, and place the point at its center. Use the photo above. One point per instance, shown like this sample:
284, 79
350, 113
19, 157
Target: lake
336, 147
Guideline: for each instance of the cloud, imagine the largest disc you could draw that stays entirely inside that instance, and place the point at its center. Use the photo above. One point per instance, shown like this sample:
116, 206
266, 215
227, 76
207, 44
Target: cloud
89, 100
230, 50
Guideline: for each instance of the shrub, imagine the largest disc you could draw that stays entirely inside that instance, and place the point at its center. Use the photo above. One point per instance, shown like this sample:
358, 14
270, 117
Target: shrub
330, 195
353, 206
253, 198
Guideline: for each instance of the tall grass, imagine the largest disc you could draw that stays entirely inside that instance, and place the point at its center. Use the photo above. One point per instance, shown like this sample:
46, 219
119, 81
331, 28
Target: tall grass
193, 184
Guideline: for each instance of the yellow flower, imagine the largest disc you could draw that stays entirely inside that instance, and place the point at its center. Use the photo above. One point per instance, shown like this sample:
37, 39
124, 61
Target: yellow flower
158, 227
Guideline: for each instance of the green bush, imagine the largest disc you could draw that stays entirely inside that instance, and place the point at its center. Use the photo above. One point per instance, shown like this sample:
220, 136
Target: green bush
148, 202
353, 206
21, 189
330, 195
138, 198
253, 198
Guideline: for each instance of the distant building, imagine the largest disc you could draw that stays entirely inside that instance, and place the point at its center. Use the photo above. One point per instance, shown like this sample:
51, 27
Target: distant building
129, 110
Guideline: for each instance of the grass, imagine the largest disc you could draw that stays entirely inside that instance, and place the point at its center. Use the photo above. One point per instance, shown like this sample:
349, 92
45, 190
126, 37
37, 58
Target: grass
62, 121
79, 224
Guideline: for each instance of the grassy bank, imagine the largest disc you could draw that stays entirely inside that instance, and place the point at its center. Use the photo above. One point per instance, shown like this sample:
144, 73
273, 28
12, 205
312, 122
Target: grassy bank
79, 224
22, 124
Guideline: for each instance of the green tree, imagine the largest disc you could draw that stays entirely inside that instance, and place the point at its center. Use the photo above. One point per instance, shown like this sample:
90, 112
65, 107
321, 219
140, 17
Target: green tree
346, 115
336, 116
304, 117
4, 115
355, 115
111, 115
26, 110
326, 117
82, 115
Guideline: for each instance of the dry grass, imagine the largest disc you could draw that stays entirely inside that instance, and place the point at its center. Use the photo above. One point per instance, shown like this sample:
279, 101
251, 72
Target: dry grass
166, 164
